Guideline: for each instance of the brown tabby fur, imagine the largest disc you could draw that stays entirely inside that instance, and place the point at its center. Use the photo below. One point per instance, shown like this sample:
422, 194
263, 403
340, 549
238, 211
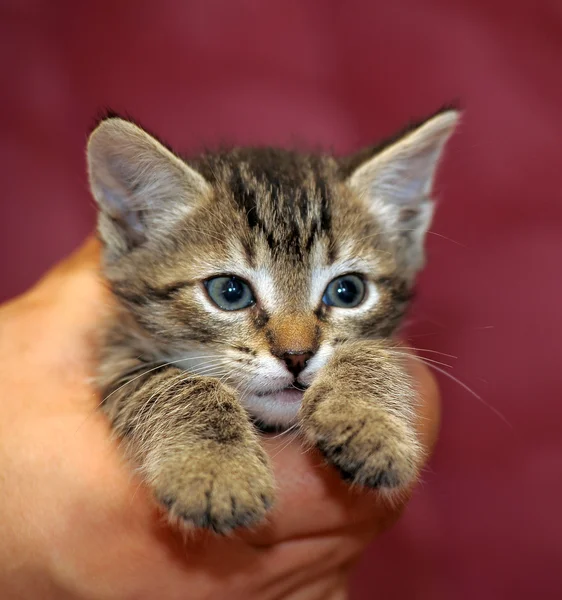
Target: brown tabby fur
185, 383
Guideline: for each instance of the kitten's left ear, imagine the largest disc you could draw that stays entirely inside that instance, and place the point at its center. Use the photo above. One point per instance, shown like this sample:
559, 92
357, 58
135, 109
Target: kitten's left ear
397, 182
140, 186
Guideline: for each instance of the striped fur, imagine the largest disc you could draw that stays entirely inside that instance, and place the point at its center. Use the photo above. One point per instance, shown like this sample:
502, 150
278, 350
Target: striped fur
184, 382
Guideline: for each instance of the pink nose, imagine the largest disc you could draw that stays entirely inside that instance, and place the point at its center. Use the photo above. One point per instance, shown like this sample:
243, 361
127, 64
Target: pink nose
296, 361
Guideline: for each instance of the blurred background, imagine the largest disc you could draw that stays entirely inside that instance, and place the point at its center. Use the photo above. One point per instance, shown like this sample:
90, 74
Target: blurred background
486, 522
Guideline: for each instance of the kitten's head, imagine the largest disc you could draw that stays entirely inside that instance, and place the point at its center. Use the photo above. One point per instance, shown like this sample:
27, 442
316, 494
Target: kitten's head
252, 265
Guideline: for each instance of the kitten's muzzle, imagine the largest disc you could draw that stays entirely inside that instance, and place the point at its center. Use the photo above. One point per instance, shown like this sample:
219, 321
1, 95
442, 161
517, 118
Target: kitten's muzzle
296, 361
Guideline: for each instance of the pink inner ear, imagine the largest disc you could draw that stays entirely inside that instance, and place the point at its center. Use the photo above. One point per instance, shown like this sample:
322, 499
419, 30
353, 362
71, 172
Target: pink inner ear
127, 218
407, 179
402, 174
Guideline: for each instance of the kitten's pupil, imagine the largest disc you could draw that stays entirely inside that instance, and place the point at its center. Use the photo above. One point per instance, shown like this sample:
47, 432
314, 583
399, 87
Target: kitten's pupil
345, 292
233, 291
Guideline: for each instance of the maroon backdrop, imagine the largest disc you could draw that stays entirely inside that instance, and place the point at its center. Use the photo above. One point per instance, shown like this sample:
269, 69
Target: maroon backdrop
486, 523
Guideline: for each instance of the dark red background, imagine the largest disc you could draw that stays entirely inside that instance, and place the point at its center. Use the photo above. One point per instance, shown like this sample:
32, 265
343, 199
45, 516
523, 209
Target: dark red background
487, 521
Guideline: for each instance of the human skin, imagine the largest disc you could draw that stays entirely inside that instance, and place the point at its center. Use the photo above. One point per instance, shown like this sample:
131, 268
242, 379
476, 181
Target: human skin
76, 523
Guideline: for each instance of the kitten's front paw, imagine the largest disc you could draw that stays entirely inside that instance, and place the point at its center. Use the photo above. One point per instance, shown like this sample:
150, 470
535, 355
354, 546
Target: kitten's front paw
369, 447
216, 488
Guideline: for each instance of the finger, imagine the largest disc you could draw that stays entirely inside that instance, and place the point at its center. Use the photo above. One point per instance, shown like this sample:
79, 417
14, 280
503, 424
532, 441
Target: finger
86, 256
429, 407
65, 311
74, 287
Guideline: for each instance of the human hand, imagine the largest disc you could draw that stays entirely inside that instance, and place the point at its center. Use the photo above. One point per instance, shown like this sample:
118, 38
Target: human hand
75, 523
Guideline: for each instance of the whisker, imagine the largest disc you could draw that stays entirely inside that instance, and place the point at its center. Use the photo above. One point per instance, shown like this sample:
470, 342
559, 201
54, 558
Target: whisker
427, 350
447, 238
207, 367
286, 443
294, 426
141, 417
467, 388
431, 360
157, 365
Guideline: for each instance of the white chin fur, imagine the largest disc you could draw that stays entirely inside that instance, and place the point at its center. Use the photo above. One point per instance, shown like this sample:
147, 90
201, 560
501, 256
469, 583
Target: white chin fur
278, 409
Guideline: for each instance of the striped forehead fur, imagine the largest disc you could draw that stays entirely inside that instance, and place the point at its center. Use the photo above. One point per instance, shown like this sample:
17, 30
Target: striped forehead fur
285, 195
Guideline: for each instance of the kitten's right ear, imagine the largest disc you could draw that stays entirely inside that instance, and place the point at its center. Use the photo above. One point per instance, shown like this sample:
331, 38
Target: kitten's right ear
396, 183
140, 186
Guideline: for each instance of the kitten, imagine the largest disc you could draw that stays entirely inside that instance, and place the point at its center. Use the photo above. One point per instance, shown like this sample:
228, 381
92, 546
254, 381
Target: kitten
259, 287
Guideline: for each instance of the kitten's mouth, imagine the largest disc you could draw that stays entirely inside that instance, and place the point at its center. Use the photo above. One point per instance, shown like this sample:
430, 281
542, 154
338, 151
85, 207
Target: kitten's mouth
294, 387
276, 408
297, 386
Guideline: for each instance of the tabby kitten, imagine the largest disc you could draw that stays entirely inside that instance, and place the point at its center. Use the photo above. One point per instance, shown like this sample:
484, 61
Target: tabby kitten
259, 287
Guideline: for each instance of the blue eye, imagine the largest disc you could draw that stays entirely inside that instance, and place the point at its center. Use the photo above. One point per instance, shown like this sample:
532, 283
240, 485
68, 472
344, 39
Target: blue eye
346, 291
230, 293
